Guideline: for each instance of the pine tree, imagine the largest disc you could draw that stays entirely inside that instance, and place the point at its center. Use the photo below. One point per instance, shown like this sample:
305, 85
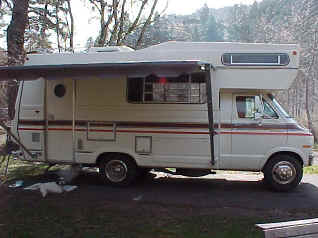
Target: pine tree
215, 31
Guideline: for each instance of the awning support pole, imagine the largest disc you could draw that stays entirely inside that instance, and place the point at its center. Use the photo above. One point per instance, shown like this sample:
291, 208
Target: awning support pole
73, 121
46, 122
210, 110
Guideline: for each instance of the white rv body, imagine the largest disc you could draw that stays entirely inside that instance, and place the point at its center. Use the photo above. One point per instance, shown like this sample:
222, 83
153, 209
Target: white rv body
95, 116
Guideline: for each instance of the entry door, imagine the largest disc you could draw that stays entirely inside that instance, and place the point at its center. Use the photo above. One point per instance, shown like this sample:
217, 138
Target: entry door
252, 138
59, 111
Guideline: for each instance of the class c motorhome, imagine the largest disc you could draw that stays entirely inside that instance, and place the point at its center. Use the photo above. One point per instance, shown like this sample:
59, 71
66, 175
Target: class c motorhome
195, 107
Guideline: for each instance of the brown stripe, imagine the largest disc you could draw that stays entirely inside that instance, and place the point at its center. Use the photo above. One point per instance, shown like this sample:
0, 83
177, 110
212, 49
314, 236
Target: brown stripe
174, 132
247, 126
118, 124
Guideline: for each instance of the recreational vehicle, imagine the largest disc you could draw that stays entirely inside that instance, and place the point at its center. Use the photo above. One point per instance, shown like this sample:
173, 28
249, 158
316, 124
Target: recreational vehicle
195, 107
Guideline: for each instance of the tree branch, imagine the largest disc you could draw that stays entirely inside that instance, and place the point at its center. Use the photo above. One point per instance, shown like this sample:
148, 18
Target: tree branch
147, 23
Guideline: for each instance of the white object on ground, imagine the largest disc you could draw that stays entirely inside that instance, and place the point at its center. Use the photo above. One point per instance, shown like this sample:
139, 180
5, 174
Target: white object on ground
35, 186
69, 188
51, 187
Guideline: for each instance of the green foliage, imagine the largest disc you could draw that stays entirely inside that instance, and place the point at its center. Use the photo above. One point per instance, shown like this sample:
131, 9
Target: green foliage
311, 170
239, 28
215, 30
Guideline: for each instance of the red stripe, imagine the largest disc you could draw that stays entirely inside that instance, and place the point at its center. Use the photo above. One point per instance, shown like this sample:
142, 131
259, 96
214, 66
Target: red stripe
169, 125
121, 131
263, 133
166, 132
298, 134
173, 132
30, 129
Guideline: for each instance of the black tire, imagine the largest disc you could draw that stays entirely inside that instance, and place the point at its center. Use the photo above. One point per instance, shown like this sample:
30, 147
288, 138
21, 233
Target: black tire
283, 173
118, 170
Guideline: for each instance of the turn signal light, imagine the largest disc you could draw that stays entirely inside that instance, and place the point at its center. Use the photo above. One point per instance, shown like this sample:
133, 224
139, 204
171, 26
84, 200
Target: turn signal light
307, 146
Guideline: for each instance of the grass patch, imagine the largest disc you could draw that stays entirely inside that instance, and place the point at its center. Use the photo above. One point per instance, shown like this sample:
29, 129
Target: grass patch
311, 169
23, 170
47, 218
18, 169
26, 215
70, 215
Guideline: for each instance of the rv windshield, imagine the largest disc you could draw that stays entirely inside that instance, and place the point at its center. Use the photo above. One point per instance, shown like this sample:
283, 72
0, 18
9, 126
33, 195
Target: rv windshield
278, 106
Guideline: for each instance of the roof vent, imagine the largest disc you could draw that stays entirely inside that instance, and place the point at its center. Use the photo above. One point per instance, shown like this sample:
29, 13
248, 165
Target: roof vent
110, 49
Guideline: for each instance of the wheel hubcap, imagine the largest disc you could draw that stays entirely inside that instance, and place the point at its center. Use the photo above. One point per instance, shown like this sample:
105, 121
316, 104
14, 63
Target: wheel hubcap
284, 172
116, 171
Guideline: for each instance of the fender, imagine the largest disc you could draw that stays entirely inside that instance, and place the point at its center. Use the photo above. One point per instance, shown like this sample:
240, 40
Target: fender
282, 149
114, 149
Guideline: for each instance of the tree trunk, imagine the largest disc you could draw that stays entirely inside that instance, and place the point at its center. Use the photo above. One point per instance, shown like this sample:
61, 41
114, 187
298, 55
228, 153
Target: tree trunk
104, 26
288, 101
146, 24
102, 34
15, 44
72, 24
307, 105
57, 27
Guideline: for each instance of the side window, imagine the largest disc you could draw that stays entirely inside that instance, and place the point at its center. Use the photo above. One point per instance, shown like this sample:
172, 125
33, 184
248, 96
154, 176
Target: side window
188, 88
269, 111
60, 90
247, 106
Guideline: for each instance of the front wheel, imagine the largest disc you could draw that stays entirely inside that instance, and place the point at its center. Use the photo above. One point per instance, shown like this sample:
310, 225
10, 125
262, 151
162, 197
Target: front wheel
283, 172
118, 170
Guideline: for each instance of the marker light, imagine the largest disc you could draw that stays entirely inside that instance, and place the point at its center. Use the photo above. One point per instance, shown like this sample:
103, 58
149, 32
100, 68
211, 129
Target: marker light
162, 80
307, 146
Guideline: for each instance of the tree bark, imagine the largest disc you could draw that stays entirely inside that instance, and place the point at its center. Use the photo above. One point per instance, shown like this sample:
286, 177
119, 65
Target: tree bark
57, 25
146, 24
72, 24
121, 23
15, 44
307, 104
114, 33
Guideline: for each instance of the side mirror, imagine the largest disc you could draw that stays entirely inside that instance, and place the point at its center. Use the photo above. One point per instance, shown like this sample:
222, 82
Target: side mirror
257, 116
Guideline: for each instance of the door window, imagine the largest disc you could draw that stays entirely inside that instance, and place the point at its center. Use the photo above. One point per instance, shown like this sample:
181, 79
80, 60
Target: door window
269, 111
247, 106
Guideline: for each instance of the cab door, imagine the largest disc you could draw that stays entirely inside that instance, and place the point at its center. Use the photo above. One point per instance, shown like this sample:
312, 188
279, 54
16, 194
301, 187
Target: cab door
254, 133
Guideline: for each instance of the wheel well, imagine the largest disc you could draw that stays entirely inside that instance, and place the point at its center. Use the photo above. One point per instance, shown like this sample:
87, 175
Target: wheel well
293, 154
109, 154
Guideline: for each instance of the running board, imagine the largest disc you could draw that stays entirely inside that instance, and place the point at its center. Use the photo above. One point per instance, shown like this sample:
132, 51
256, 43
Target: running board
186, 172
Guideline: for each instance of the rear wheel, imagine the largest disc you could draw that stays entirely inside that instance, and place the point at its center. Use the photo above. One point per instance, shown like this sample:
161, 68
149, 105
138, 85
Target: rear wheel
118, 170
283, 172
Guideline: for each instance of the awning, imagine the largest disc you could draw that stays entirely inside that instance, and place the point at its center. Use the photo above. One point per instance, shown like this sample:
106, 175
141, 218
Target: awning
86, 71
